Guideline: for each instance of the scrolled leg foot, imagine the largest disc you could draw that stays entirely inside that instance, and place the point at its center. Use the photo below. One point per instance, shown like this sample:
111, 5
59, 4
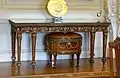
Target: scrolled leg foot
18, 64
33, 63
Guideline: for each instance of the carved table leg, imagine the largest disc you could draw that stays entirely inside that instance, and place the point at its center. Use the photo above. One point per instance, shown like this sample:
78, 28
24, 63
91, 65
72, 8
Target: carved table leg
50, 58
13, 42
55, 57
19, 38
92, 41
104, 47
33, 47
78, 56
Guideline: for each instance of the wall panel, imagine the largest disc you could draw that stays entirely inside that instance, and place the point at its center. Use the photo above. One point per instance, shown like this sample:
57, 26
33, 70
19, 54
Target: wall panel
41, 4
0, 4
119, 8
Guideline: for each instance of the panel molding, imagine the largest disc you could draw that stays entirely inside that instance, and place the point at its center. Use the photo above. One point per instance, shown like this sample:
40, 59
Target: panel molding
5, 21
41, 4
119, 9
42, 55
0, 4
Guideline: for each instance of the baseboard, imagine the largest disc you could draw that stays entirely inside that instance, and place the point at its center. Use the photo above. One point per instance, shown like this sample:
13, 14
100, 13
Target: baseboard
26, 54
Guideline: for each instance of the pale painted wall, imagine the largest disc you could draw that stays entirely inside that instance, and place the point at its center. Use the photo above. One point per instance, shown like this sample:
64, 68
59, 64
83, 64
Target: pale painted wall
119, 17
79, 11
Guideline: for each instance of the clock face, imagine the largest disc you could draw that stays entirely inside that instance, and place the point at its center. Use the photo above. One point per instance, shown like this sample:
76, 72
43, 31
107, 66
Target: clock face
57, 8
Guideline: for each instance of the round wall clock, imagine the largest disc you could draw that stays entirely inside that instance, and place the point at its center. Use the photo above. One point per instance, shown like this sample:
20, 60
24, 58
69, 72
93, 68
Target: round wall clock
57, 8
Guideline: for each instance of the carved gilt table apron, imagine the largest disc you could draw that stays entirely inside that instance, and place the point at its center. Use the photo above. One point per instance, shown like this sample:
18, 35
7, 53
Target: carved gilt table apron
18, 28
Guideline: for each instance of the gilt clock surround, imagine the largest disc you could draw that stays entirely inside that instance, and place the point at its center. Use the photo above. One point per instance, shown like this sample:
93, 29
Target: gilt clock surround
57, 8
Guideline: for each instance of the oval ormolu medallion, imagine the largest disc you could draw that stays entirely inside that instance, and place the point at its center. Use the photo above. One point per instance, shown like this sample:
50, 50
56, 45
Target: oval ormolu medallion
57, 8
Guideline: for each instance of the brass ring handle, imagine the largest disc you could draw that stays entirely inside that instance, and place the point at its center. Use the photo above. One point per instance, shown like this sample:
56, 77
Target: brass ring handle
68, 45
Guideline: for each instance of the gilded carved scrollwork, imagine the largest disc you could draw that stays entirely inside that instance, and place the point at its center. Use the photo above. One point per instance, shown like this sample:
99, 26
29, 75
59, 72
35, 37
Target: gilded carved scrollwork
60, 29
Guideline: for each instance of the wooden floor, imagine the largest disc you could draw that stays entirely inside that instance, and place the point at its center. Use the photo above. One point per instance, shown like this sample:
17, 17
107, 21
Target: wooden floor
7, 69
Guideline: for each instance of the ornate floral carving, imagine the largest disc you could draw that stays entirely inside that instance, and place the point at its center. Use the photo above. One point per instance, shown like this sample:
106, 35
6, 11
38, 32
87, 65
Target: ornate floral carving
62, 29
